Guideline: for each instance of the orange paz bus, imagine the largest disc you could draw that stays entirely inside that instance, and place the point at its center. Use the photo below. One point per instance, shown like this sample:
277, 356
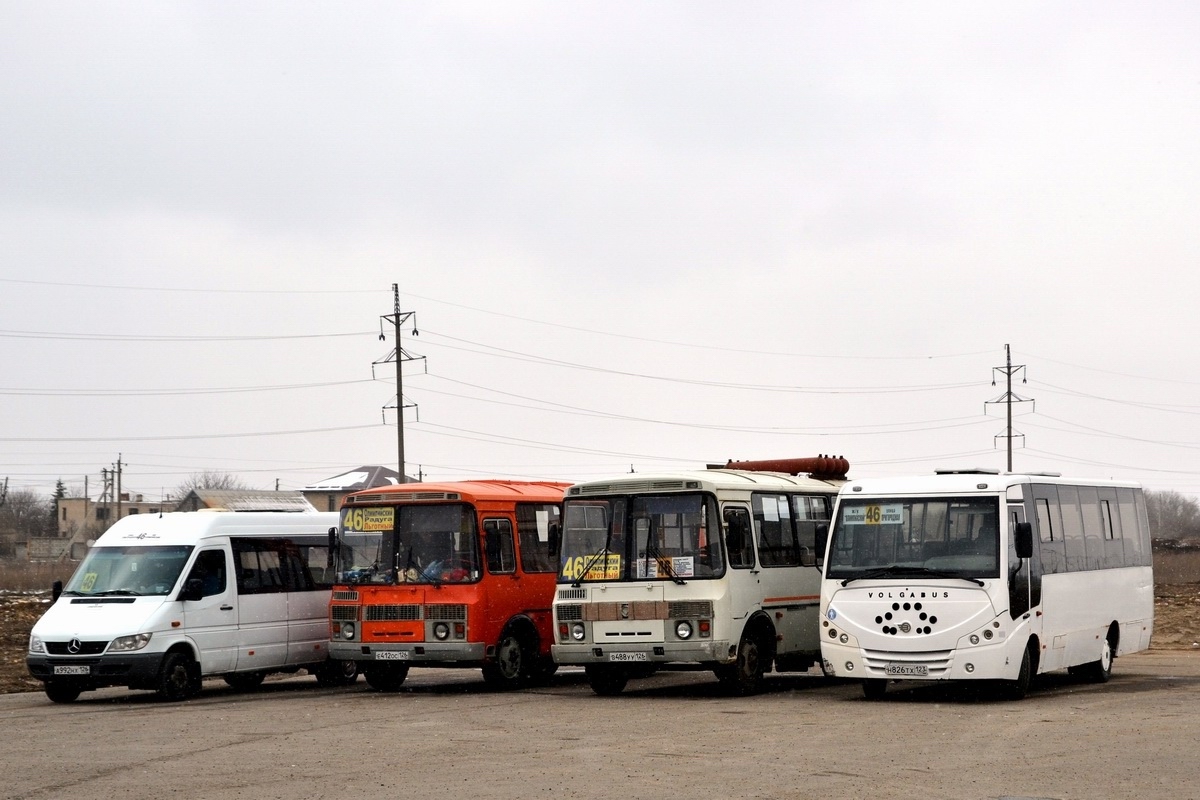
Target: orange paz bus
456, 574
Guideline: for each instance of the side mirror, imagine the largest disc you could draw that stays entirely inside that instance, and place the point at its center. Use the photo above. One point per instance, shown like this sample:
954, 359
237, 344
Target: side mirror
333, 546
193, 590
56, 591
555, 533
822, 542
1023, 539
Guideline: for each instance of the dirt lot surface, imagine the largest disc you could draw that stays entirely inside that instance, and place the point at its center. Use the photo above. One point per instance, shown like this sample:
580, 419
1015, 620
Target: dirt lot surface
1176, 626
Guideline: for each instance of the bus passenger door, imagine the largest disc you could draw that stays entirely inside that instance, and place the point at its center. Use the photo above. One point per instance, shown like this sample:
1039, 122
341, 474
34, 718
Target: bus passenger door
503, 588
1024, 575
744, 591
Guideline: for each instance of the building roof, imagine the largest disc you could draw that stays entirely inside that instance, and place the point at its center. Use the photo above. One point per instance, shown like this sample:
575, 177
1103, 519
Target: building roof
244, 500
356, 479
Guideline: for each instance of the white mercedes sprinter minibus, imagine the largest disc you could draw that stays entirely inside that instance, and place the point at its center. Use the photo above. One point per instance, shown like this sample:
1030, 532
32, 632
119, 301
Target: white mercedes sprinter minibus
164, 600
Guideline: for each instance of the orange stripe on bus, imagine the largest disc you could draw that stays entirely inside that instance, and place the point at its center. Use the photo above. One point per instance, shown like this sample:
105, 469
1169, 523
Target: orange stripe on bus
791, 599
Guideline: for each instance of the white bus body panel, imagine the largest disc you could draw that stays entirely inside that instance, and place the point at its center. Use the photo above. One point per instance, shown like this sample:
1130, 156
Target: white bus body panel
225, 632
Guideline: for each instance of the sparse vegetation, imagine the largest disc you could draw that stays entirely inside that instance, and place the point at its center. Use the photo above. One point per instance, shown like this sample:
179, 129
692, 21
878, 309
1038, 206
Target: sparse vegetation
22, 576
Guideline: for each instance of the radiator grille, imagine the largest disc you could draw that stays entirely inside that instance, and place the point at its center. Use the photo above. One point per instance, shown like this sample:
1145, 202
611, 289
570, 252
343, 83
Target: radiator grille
572, 594
570, 612
343, 613
446, 613
346, 594
392, 613
84, 648
690, 609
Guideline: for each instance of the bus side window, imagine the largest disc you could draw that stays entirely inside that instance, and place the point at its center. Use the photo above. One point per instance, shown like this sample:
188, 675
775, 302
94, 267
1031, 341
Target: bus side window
738, 537
210, 570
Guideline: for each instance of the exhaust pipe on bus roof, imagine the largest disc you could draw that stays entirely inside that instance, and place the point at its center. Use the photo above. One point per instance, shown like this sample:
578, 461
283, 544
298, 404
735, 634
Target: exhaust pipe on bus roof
821, 468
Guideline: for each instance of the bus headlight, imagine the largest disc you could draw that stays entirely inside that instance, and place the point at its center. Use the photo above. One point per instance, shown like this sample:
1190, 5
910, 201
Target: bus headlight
128, 643
974, 639
987, 633
441, 631
348, 630
683, 629
578, 631
844, 639
36, 645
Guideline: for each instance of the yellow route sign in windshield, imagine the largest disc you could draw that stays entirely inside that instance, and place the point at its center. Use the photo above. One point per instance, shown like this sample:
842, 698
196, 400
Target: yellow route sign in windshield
365, 520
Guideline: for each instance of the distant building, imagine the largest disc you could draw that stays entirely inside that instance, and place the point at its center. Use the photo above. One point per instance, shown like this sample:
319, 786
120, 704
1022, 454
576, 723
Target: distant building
327, 495
81, 520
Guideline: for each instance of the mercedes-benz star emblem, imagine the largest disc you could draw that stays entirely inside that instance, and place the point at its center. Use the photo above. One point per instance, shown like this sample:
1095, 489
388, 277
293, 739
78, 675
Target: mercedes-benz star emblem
74, 646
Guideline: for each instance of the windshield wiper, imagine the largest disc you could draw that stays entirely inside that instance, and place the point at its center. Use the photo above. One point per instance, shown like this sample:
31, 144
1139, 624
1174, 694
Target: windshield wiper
897, 569
121, 592
664, 562
592, 562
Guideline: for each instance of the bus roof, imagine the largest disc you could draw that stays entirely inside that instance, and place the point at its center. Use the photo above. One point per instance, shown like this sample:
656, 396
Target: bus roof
967, 482
190, 527
702, 480
529, 491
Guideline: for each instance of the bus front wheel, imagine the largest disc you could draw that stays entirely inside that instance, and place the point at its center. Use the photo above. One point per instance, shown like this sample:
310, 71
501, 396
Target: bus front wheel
606, 680
745, 676
386, 677
874, 688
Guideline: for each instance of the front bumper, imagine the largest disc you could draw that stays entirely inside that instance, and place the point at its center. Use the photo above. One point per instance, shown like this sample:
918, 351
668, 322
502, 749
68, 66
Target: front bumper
133, 670
425, 653
703, 652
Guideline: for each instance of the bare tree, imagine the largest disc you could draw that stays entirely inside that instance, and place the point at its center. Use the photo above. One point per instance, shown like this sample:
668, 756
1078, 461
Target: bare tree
26, 514
1173, 515
209, 479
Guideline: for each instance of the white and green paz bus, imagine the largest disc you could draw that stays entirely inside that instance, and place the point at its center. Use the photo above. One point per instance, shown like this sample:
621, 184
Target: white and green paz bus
718, 569
974, 574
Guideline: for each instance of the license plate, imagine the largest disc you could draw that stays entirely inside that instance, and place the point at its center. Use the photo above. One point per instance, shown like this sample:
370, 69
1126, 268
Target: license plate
69, 670
392, 655
908, 670
628, 657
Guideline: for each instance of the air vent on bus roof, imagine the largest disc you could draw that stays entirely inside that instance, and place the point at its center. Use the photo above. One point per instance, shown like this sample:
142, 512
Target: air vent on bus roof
621, 487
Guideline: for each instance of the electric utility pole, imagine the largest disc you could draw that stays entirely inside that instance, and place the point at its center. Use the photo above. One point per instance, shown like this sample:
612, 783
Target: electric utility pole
399, 355
1008, 398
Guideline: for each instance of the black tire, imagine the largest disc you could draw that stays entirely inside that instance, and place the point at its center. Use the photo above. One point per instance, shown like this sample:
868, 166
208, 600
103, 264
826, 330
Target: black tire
744, 677
245, 681
543, 670
63, 691
1099, 671
512, 665
386, 677
336, 672
1017, 689
179, 677
606, 680
874, 688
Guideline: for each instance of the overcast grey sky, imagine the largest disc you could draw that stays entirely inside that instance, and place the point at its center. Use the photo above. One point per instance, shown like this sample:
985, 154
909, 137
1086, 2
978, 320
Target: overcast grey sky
635, 236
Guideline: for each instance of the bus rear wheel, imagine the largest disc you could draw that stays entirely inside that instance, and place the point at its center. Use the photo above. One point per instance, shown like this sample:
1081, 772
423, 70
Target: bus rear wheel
336, 672
245, 681
606, 680
1098, 671
512, 666
386, 677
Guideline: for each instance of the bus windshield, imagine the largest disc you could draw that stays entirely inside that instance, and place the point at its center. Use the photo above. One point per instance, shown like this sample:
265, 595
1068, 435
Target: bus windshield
431, 544
673, 537
129, 571
902, 537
